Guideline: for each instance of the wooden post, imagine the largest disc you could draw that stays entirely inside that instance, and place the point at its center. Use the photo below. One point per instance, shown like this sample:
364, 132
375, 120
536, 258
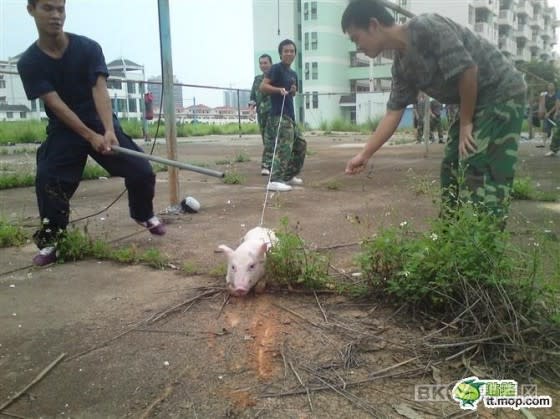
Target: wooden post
427, 114
169, 99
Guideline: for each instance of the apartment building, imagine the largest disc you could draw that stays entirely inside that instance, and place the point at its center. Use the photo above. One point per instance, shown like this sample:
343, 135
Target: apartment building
126, 88
336, 82
14, 105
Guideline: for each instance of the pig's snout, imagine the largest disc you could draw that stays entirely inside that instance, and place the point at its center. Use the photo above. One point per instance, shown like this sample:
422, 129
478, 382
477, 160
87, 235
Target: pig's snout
239, 292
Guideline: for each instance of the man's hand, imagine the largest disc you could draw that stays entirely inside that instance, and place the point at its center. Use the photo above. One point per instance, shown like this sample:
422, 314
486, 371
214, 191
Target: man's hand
467, 144
102, 143
293, 90
356, 164
284, 92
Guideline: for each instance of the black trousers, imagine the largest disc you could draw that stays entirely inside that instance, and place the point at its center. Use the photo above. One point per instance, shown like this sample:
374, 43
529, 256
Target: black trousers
60, 163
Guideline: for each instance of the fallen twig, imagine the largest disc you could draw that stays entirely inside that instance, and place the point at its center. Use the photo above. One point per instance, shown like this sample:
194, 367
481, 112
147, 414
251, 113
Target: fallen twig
32, 383
178, 306
289, 310
321, 307
302, 384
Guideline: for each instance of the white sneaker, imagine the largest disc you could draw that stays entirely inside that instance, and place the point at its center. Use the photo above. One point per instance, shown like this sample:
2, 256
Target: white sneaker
265, 171
295, 181
550, 154
278, 187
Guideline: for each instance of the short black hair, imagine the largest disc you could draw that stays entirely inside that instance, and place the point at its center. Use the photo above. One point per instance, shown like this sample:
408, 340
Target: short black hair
284, 43
359, 13
33, 3
266, 56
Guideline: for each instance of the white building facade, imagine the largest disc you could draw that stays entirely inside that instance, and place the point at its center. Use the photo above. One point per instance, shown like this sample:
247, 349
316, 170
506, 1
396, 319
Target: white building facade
332, 74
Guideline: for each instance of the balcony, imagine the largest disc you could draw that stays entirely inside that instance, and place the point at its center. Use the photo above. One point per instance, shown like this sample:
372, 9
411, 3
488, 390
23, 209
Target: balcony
537, 22
523, 54
523, 31
507, 18
490, 5
507, 45
525, 8
536, 43
486, 31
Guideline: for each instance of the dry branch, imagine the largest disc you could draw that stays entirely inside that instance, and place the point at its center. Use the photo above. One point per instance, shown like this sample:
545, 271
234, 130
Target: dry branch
32, 383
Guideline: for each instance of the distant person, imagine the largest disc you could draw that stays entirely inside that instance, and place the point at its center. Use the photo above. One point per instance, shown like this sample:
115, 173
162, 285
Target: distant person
68, 72
548, 109
261, 102
453, 65
452, 113
281, 84
419, 112
435, 120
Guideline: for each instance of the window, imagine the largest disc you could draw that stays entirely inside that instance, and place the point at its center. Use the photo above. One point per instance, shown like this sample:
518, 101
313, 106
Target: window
313, 10
314, 71
23, 115
306, 71
315, 100
9, 115
299, 6
132, 105
2, 84
131, 87
314, 41
307, 101
299, 31
306, 41
305, 11
114, 84
122, 105
2, 100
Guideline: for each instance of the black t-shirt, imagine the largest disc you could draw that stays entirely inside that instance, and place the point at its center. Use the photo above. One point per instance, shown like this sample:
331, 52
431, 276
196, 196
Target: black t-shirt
72, 76
281, 75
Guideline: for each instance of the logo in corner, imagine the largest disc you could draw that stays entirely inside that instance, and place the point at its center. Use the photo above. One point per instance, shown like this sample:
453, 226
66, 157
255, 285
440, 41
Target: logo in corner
467, 393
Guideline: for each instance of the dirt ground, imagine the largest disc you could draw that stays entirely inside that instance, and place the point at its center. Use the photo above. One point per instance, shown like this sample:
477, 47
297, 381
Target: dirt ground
146, 343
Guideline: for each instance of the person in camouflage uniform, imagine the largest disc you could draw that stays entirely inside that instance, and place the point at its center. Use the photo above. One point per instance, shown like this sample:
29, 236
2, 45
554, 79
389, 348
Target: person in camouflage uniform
435, 120
418, 110
281, 82
261, 101
453, 65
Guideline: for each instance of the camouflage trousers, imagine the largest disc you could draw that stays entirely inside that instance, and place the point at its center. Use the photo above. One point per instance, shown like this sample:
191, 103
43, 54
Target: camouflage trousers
484, 177
555, 141
268, 144
290, 150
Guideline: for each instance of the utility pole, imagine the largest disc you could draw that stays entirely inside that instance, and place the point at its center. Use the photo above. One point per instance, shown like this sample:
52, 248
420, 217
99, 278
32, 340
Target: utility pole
169, 100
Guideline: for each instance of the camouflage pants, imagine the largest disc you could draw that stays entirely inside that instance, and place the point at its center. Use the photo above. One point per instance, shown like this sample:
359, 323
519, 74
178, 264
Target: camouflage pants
486, 176
555, 141
268, 144
419, 130
290, 150
435, 125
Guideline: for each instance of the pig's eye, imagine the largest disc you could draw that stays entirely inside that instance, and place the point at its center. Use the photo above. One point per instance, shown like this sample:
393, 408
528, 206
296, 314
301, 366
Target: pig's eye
252, 266
233, 267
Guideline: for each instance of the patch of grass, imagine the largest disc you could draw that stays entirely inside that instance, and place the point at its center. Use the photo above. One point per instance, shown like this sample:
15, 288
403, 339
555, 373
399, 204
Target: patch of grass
190, 268
223, 162
233, 178
11, 234
467, 272
289, 262
76, 245
219, 271
242, 157
424, 185
17, 132
333, 185
524, 189
16, 180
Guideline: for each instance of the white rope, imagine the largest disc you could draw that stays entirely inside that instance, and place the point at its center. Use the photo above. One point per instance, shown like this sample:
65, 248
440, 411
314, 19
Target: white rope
272, 162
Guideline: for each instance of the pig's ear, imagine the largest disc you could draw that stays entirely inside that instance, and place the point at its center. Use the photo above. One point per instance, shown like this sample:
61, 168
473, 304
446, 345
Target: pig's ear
262, 249
228, 251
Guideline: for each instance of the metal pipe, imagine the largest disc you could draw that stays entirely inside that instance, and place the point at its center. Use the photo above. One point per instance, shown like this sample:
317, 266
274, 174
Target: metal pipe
184, 166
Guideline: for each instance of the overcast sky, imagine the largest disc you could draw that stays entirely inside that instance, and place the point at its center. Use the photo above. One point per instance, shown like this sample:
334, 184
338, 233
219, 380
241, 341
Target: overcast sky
212, 40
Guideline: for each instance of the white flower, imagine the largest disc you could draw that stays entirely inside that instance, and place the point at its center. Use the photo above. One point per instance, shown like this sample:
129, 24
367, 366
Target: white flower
434, 236
404, 224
